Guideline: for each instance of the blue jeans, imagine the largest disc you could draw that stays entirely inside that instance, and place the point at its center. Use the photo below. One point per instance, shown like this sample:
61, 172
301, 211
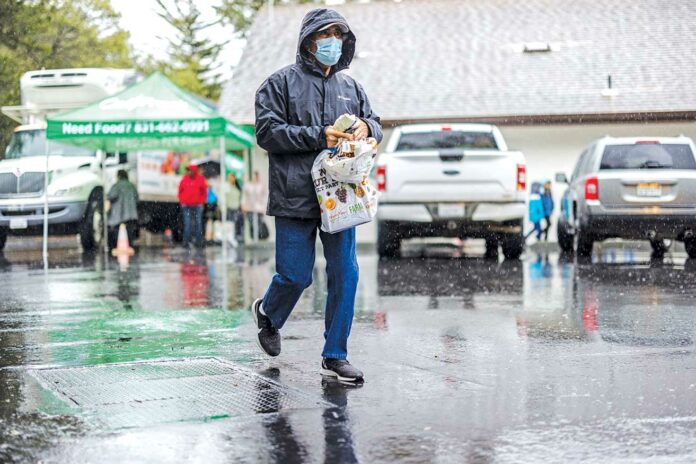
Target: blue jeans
295, 246
193, 216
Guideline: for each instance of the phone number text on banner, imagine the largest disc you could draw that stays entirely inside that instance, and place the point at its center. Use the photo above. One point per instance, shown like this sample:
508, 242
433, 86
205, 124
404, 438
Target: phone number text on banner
191, 127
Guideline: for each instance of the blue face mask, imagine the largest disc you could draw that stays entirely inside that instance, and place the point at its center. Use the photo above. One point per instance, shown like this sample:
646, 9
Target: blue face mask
328, 50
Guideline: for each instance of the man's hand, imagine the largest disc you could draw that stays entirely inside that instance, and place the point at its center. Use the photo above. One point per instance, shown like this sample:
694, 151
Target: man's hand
332, 136
361, 131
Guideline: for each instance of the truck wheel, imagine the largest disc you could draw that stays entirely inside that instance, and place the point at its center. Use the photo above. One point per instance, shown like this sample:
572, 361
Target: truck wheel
491, 248
565, 239
178, 233
512, 245
584, 244
388, 241
690, 245
3, 238
92, 227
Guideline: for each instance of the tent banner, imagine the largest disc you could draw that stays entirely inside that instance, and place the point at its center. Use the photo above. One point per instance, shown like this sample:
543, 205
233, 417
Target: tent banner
153, 128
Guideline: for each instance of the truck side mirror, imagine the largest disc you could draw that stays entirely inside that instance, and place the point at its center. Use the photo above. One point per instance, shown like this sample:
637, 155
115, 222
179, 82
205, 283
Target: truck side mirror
561, 178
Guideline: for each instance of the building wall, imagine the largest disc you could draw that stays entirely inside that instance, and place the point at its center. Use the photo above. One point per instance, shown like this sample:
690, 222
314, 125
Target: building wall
549, 149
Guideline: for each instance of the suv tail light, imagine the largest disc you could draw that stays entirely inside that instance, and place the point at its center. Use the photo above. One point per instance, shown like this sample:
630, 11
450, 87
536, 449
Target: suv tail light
591, 188
521, 177
381, 178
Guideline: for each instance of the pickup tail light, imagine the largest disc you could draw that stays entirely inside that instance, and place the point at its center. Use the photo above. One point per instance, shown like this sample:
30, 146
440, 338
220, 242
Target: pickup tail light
381, 178
521, 177
591, 188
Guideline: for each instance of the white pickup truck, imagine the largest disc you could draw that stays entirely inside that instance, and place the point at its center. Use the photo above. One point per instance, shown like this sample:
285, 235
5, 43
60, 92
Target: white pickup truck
451, 180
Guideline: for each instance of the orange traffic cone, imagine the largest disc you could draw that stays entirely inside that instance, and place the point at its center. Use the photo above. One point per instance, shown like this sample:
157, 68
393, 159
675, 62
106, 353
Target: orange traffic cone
122, 246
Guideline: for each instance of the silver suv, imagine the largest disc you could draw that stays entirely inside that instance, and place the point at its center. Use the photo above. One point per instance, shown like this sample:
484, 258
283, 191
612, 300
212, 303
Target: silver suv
631, 188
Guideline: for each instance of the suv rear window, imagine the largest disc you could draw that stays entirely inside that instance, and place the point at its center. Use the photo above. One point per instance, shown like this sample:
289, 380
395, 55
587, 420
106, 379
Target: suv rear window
648, 156
446, 139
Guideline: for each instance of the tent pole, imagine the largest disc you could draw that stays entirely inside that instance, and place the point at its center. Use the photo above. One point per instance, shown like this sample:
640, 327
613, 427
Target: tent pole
45, 221
250, 164
105, 231
223, 214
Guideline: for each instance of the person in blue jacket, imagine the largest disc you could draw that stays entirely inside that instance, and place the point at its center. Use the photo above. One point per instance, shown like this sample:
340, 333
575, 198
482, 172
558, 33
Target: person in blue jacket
536, 210
547, 200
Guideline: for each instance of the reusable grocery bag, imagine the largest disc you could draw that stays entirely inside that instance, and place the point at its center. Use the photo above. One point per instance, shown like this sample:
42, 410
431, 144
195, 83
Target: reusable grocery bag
345, 195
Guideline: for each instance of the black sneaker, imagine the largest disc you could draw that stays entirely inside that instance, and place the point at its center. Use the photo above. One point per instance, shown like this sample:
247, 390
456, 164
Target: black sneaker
341, 369
268, 338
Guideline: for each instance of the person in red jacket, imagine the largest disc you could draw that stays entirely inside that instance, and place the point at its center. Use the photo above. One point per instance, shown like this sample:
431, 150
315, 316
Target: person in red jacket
193, 193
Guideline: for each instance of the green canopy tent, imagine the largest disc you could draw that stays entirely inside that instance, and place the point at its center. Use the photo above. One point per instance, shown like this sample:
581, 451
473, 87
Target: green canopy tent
153, 114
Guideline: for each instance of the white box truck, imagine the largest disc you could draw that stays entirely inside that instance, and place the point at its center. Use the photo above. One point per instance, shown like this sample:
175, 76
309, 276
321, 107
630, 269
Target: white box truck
75, 181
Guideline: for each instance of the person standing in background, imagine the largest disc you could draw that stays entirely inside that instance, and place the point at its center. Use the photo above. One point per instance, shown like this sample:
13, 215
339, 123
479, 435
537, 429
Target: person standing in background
193, 194
234, 211
123, 200
536, 210
254, 198
210, 213
547, 200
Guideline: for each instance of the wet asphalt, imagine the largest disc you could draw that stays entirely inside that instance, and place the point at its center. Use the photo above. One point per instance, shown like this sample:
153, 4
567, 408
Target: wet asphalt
466, 360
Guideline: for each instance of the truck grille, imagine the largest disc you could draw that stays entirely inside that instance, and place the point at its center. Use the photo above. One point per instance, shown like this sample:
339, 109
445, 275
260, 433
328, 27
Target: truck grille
26, 184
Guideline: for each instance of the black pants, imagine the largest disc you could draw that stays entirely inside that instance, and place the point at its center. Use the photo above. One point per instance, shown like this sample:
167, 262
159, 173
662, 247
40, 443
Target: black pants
236, 217
546, 229
131, 229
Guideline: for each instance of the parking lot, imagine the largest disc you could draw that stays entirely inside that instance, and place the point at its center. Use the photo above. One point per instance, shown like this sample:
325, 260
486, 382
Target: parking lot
494, 361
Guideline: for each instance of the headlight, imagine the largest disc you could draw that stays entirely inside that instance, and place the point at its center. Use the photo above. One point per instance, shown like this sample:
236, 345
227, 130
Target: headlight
61, 192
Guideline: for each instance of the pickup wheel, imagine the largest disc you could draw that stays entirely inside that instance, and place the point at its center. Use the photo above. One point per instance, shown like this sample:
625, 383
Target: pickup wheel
92, 227
585, 241
565, 239
512, 245
3, 238
690, 245
659, 247
388, 240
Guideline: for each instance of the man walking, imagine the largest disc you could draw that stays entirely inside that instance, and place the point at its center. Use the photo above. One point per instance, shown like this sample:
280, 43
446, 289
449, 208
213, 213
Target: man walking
193, 193
295, 108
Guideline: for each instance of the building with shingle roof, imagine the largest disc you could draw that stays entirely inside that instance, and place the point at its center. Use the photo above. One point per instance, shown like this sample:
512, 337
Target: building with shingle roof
500, 60
554, 74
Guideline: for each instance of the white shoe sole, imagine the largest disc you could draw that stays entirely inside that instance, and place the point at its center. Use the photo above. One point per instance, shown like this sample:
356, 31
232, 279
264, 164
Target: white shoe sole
329, 373
253, 312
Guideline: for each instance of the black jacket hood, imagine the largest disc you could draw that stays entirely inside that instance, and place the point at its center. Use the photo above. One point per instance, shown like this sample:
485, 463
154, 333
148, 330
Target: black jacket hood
312, 22
293, 108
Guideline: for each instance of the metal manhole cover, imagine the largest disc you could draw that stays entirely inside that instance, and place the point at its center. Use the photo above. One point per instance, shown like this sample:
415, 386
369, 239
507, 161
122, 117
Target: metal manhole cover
144, 393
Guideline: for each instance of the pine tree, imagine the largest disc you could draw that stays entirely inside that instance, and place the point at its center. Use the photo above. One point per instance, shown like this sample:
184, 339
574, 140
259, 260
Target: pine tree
193, 60
55, 34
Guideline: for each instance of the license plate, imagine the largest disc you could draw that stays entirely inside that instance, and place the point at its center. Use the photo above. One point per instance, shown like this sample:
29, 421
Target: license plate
649, 190
450, 210
18, 224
